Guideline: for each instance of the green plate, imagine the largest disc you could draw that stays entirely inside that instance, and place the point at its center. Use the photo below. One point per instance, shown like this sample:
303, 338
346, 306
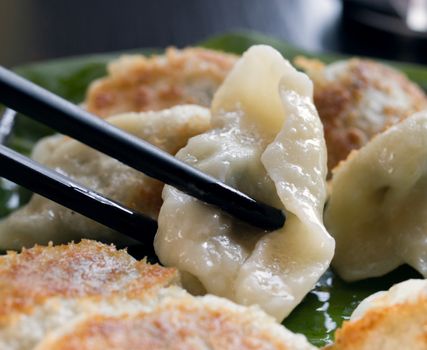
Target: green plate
332, 300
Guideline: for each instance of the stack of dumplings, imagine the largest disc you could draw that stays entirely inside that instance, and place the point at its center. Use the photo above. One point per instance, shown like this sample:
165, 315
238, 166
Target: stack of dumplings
263, 136
92, 296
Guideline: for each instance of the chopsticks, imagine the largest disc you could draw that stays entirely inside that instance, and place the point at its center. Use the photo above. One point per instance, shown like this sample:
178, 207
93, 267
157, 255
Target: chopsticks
62, 190
69, 119
6, 124
59, 188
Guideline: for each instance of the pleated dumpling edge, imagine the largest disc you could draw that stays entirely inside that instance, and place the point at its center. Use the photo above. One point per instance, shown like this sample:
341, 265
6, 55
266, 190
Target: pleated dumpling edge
267, 141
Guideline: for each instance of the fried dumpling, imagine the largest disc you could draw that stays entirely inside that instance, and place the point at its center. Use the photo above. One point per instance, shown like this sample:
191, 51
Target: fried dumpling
91, 296
45, 287
177, 321
138, 83
377, 210
267, 141
357, 99
395, 319
42, 220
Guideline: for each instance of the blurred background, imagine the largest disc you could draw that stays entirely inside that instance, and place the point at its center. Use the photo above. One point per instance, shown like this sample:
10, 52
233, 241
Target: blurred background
32, 30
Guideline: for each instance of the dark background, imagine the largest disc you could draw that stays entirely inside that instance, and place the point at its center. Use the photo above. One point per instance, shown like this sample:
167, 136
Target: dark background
32, 30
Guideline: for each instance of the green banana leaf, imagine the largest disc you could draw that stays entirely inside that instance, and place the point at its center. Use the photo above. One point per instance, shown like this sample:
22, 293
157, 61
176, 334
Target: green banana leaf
332, 300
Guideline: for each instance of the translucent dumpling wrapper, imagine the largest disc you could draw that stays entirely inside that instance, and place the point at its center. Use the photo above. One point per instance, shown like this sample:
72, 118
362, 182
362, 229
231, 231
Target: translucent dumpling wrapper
267, 141
42, 220
377, 209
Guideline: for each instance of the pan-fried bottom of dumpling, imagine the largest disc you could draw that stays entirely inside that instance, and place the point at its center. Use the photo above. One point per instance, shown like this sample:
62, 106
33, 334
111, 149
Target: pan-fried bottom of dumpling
91, 296
42, 220
390, 320
357, 99
43, 287
24, 331
88, 268
377, 209
177, 321
137, 83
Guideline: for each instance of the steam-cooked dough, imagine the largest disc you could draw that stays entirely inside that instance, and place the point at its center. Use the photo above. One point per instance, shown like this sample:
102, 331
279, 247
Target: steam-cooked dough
377, 209
268, 142
357, 99
138, 83
390, 320
41, 220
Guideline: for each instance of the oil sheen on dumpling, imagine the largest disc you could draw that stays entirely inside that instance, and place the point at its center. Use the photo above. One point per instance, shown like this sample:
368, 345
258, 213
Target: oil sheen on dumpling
377, 210
267, 141
42, 220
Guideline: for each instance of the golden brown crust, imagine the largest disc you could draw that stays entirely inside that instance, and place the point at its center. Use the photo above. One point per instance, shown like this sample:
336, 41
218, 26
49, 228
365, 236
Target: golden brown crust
400, 326
74, 270
178, 324
359, 100
137, 83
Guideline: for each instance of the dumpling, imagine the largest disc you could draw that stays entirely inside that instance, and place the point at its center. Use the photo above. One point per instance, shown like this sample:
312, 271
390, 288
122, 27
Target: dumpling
176, 320
395, 319
137, 83
46, 287
377, 210
70, 296
267, 141
357, 99
42, 220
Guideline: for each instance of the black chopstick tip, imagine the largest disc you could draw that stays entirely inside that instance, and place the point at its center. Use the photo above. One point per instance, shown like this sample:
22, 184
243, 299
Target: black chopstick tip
67, 118
271, 219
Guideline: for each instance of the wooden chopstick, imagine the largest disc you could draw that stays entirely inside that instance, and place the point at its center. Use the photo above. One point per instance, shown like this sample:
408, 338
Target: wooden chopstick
69, 119
55, 186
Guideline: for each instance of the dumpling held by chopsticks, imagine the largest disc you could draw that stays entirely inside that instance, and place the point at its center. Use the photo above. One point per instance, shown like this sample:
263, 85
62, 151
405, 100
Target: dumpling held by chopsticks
267, 141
